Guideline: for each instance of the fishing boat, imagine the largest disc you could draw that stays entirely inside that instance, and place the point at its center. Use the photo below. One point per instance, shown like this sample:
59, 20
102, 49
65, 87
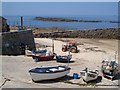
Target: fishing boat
109, 68
43, 57
48, 73
89, 75
40, 54
34, 52
63, 59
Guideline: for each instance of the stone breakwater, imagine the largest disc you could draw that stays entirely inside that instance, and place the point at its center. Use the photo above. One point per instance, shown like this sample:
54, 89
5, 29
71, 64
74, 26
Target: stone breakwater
109, 33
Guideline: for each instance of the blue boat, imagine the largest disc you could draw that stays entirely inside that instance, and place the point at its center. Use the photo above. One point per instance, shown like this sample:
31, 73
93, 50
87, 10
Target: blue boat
64, 59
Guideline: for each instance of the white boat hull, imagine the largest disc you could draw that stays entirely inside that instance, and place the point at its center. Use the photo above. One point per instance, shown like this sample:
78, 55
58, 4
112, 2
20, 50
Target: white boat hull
89, 76
28, 52
47, 76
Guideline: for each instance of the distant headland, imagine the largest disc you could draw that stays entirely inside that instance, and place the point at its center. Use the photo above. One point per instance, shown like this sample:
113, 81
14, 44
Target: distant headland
63, 19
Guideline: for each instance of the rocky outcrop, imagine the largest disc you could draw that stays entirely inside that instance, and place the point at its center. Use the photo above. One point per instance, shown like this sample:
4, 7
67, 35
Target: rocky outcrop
70, 20
109, 33
63, 19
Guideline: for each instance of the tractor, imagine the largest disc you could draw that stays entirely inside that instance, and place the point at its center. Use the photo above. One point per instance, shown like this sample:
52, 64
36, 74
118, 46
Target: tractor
71, 46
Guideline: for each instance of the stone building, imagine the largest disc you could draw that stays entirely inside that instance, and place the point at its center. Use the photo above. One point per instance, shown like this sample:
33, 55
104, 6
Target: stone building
4, 27
14, 43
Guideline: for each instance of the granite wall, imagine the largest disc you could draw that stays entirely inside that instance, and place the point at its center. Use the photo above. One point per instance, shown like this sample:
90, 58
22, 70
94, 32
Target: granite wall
13, 43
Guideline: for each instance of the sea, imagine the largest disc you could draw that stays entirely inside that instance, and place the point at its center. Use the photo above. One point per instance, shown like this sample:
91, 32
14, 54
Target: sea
29, 21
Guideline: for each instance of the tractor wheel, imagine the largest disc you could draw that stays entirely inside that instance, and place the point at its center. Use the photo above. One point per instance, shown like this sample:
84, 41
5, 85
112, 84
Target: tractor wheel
73, 49
63, 49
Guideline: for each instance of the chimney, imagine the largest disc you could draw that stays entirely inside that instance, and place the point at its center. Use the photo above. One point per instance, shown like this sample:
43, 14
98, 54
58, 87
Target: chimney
21, 22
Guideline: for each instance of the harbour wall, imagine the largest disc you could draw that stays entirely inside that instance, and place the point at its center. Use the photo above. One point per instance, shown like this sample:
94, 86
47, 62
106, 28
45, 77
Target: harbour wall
14, 43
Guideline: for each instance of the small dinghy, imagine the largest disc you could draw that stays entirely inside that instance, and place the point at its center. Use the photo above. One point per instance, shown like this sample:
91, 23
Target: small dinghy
48, 73
28, 53
34, 52
89, 75
63, 59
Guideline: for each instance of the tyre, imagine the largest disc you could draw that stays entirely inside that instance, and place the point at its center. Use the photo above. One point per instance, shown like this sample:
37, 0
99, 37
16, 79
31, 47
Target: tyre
73, 49
63, 49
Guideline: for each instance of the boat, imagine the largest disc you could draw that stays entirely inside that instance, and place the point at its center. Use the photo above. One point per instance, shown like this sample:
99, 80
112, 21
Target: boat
39, 55
109, 68
43, 57
63, 59
48, 73
34, 52
28, 53
89, 75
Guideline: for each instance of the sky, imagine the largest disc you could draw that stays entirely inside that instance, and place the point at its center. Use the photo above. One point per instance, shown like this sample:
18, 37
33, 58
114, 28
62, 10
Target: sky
60, 0
59, 8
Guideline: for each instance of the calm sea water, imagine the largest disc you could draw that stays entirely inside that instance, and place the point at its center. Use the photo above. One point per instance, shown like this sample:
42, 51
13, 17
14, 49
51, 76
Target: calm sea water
28, 21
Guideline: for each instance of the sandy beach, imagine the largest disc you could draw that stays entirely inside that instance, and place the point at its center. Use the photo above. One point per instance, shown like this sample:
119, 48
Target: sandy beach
91, 53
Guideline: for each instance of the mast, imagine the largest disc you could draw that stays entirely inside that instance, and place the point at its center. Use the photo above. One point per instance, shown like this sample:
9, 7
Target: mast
115, 55
52, 43
68, 56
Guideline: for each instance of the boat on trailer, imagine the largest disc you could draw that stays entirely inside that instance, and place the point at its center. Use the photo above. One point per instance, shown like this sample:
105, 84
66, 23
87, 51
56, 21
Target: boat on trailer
48, 73
89, 75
